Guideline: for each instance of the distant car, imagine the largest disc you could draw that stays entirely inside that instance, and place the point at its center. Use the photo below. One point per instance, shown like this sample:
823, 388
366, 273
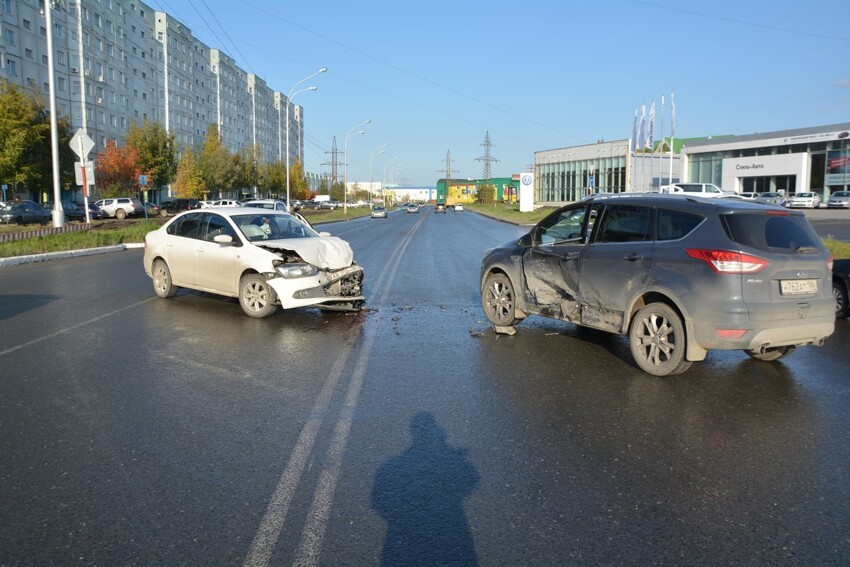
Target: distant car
839, 200
440, 208
379, 212
412, 208
73, 211
179, 205
841, 287
121, 207
771, 199
458, 208
331, 205
24, 213
748, 196
808, 200
263, 257
205, 204
708, 190
153, 210
94, 211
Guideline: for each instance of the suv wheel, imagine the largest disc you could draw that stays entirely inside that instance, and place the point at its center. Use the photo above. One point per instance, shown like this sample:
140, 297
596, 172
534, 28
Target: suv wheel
657, 340
499, 300
120, 214
256, 296
842, 304
771, 354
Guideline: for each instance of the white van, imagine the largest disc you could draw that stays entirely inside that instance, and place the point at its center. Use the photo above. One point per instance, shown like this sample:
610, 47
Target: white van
695, 189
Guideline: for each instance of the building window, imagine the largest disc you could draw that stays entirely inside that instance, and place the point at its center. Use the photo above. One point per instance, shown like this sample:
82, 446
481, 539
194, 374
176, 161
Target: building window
7, 6
11, 68
61, 83
27, 25
28, 53
10, 37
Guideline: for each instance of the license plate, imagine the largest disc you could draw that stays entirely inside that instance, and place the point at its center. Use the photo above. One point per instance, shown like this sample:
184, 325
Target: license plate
798, 287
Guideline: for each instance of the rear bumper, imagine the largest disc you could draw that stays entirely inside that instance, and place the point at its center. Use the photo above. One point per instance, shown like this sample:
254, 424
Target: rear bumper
797, 332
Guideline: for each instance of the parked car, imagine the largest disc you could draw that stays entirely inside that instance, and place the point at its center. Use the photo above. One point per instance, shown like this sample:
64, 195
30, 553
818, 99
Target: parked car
121, 207
412, 208
153, 210
749, 196
839, 200
771, 199
379, 212
440, 208
680, 276
24, 213
72, 211
176, 206
695, 190
263, 257
331, 205
841, 287
227, 203
94, 211
807, 200
273, 204
458, 208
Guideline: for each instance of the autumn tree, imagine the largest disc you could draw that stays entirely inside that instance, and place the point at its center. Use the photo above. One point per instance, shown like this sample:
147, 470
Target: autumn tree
157, 153
117, 171
25, 153
216, 163
189, 183
298, 186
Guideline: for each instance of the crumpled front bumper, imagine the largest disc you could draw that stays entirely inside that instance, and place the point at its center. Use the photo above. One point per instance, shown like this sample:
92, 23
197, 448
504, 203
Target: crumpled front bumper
343, 286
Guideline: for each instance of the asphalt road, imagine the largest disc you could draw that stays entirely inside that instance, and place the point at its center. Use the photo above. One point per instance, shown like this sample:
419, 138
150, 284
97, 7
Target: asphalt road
137, 430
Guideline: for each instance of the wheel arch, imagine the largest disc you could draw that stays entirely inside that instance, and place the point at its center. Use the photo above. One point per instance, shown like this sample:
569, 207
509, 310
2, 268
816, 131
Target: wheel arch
694, 352
519, 297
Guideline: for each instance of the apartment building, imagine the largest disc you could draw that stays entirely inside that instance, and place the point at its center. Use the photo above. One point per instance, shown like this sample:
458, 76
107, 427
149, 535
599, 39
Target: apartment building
121, 61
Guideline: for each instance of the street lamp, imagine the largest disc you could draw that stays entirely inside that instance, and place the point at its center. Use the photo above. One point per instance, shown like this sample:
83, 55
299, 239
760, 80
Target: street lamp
292, 93
345, 166
384, 177
380, 151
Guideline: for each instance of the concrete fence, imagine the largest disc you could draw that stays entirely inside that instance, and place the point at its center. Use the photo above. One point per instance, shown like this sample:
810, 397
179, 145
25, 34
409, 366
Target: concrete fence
24, 234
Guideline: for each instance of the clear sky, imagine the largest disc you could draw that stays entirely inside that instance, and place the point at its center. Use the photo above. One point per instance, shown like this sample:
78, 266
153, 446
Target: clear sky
537, 74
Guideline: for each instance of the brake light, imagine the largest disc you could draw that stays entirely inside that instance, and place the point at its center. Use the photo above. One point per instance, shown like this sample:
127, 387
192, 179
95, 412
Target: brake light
728, 261
829, 263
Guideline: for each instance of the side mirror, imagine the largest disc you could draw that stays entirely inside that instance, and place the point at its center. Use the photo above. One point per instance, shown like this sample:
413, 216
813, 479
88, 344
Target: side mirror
527, 240
324, 234
223, 239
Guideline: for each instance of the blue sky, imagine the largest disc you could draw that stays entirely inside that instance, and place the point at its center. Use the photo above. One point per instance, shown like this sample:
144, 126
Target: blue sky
436, 76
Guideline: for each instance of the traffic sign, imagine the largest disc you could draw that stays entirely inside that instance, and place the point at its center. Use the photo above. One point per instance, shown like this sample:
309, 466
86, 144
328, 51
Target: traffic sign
143, 180
81, 144
78, 172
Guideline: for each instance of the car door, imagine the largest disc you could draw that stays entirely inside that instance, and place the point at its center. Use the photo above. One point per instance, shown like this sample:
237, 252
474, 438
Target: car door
550, 264
216, 263
615, 263
181, 245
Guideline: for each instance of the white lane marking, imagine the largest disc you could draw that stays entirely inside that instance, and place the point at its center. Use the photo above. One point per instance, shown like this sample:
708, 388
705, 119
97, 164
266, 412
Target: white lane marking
73, 327
270, 528
310, 547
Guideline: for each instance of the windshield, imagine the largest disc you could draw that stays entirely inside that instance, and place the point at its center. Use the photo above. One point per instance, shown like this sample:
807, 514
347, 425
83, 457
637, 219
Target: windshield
273, 227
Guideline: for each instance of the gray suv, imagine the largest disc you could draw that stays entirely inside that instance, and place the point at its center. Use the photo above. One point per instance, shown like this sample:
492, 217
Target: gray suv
679, 275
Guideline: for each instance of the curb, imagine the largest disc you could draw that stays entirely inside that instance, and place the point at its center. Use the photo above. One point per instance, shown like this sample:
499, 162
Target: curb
33, 258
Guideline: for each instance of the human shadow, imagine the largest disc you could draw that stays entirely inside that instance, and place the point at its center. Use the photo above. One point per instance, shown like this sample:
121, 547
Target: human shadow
420, 494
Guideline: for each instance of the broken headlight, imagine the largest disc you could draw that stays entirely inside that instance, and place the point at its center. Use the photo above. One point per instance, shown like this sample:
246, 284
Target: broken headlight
299, 270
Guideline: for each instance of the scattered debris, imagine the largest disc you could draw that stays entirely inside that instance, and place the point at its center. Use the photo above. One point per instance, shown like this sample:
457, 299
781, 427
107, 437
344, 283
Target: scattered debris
501, 330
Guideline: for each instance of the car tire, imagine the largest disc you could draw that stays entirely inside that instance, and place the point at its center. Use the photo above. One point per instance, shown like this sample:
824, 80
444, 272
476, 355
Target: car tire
657, 340
256, 296
19, 221
842, 302
499, 301
120, 214
163, 285
771, 354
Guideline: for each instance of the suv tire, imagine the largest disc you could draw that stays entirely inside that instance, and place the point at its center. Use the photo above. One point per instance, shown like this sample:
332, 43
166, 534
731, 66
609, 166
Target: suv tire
120, 214
657, 340
499, 300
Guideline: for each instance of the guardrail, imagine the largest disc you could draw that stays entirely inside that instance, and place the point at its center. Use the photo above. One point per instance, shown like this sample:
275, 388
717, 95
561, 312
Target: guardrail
35, 233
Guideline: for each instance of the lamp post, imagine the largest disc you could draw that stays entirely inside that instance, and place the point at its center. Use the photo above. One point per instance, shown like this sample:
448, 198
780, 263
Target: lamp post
384, 177
292, 93
345, 166
380, 151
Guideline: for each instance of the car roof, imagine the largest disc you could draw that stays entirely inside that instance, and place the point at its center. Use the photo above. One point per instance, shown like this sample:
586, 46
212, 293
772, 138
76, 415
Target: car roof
683, 199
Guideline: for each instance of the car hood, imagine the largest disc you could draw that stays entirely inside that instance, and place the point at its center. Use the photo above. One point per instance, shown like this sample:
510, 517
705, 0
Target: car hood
324, 252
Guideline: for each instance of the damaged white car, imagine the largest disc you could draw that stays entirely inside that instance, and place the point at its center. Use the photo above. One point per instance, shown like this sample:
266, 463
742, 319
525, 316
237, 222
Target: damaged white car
265, 258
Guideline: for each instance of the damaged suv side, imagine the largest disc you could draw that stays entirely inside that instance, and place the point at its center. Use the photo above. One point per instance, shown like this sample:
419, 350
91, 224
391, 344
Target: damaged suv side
679, 275
265, 258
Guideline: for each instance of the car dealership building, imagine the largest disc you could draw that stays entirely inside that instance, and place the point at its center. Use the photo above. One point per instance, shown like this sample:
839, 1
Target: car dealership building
791, 161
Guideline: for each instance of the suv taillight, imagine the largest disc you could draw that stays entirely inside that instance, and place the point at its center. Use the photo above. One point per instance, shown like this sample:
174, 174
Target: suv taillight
728, 261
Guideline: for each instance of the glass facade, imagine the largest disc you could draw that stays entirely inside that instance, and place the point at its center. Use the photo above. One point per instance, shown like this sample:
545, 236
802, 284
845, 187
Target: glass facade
559, 180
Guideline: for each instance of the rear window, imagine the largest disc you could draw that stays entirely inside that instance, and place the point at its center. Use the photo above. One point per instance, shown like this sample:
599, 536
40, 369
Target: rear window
787, 234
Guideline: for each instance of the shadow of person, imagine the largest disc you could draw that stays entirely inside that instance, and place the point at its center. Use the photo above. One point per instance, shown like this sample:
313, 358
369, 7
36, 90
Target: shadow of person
420, 494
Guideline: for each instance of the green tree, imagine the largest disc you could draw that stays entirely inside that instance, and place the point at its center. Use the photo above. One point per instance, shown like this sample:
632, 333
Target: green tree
275, 177
25, 153
157, 153
220, 170
487, 194
189, 183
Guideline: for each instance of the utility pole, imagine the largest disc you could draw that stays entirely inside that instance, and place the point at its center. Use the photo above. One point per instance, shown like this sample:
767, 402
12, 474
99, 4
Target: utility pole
448, 171
334, 163
487, 158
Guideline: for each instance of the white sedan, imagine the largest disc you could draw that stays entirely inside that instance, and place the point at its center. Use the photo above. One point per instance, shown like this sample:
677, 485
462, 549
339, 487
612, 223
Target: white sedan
807, 200
265, 258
